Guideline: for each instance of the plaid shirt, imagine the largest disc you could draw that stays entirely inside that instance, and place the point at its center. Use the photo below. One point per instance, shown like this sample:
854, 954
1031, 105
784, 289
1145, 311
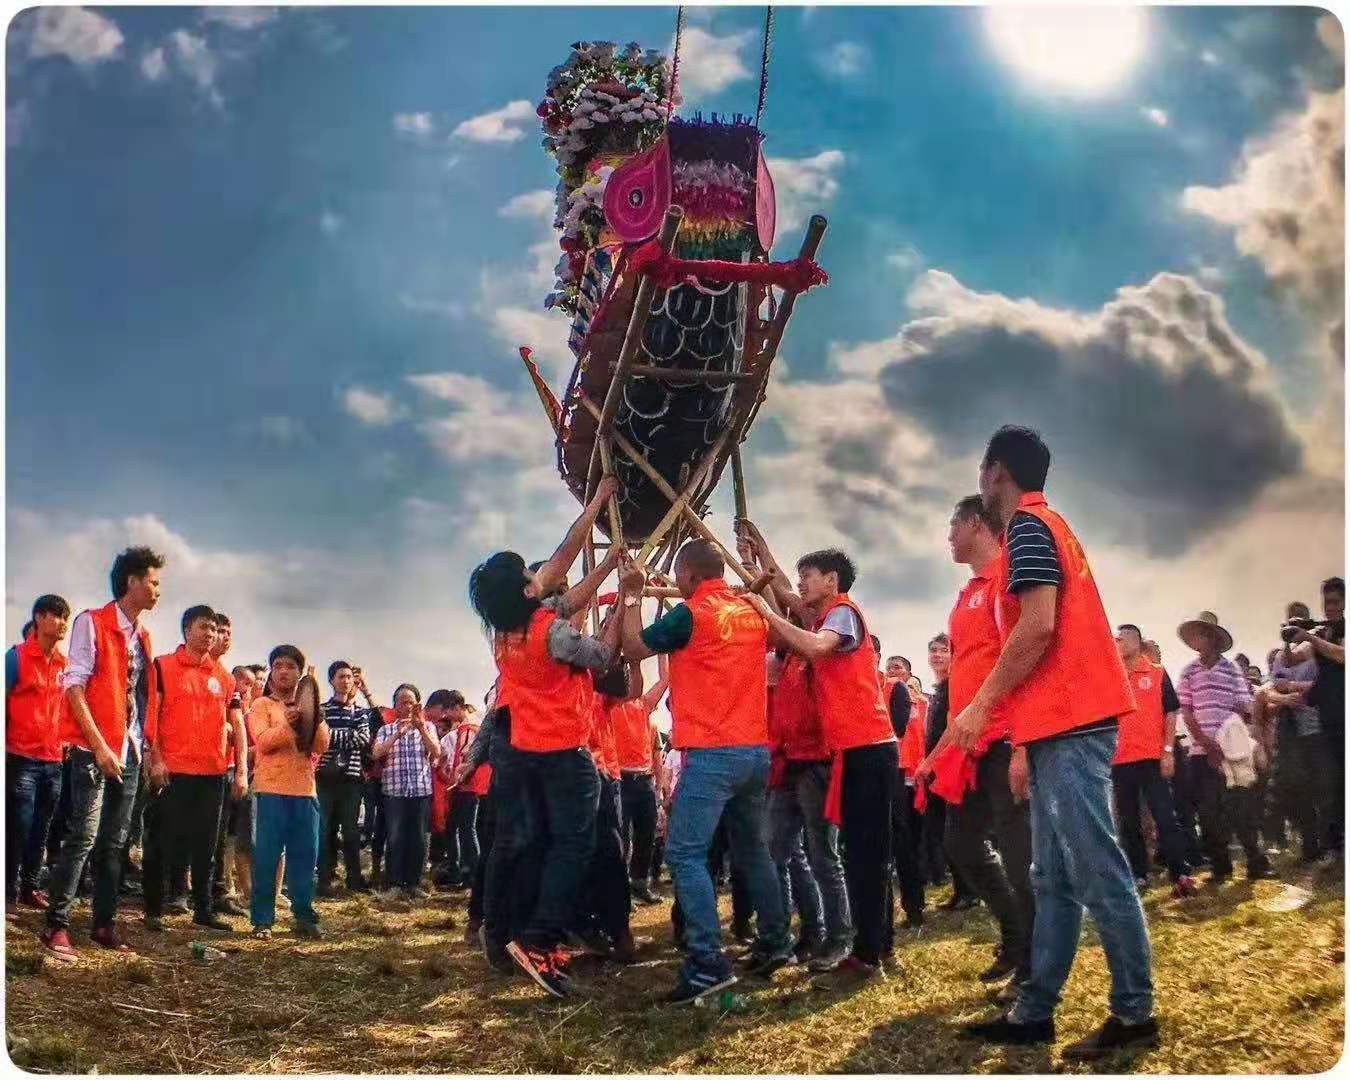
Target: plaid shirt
407, 768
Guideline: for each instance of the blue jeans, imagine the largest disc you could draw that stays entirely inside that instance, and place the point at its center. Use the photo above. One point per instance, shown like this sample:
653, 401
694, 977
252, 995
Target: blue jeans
290, 824
730, 780
100, 817
32, 790
1077, 863
799, 807
408, 820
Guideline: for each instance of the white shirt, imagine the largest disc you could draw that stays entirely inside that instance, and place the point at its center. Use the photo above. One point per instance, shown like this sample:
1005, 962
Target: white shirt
80, 661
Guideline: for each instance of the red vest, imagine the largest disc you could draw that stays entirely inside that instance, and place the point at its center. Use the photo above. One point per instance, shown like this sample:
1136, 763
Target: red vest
190, 725
793, 713
975, 646
1080, 679
632, 736
914, 744
847, 692
1141, 731
481, 778
718, 684
34, 708
547, 697
106, 691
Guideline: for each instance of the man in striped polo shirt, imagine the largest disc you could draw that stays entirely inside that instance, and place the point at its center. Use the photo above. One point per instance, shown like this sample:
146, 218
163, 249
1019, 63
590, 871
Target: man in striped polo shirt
1211, 689
339, 776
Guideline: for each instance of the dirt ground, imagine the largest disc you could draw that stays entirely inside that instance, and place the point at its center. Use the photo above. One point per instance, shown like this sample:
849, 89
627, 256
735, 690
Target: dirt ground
394, 988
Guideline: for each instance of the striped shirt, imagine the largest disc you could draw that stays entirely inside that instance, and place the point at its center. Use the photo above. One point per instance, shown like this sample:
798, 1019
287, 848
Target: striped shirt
1213, 694
1032, 557
349, 732
407, 768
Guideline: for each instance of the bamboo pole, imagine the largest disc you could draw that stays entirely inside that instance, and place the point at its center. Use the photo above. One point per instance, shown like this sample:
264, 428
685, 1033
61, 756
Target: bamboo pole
738, 484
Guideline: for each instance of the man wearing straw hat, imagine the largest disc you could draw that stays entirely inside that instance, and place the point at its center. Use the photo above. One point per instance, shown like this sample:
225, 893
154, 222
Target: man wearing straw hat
1211, 689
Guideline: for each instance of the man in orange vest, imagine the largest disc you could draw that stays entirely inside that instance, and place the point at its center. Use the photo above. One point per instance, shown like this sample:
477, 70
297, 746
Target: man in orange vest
33, 707
990, 811
1060, 682
188, 738
866, 770
109, 694
638, 744
719, 696
1145, 762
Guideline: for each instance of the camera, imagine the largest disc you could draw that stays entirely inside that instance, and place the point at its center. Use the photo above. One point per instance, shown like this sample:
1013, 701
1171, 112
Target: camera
1288, 629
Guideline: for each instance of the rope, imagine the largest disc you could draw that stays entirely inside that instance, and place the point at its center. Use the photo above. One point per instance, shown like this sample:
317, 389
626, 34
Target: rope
764, 65
675, 62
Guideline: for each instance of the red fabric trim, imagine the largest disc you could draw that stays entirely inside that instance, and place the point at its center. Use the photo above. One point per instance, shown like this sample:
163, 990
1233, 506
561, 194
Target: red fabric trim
834, 794
798, 275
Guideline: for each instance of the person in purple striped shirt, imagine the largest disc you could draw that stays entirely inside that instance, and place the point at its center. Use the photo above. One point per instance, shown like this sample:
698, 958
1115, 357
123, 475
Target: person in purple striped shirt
1211, 689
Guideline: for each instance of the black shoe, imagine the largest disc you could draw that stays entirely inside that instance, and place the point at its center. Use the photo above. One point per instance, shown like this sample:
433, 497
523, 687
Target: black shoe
1004, 965
692, 986
360, 887
1263, 872
212, 922
154, 924
805, 949
1112, 1036
494, 952
308, 930
743, 933
539, 966
965, 903
591, 940
326, 891
226, 906
769, 961
178, 906
1002, 1030
912, 922
643, 895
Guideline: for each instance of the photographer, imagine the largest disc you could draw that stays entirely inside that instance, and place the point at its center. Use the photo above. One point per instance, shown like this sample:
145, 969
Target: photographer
1325, 643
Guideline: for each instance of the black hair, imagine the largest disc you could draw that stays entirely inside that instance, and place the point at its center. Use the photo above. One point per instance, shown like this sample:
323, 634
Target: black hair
287, 652
497, 593
1334, 584
940, 639
335, 667
1023, 453
51, 604
1297, 609
831, 560
29, 627
257, 669
703, 558
905, 660
1130, 626
972, 508
197, 611
876, 643
446, 699
416, 693
222, 619
134, 562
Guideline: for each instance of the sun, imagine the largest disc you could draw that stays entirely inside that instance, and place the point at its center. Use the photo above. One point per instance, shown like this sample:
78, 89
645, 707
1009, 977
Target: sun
1081, 50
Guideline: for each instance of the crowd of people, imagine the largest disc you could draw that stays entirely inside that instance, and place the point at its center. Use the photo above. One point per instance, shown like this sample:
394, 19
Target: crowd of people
1053, 767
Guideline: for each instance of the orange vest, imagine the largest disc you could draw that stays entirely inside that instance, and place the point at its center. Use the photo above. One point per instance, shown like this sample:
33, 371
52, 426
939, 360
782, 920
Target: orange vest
106, 691
848, 693
602, 735
34, 708
632, 736
481, 778
546, 696
975, 646
793, 713
718, 684
913, 745
190, 725
1141, 732
1080, 679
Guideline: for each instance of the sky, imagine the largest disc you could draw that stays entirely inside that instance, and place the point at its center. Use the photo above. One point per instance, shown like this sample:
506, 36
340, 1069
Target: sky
268, 270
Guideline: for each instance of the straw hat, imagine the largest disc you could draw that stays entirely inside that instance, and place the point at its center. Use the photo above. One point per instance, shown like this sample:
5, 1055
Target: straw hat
1194, 631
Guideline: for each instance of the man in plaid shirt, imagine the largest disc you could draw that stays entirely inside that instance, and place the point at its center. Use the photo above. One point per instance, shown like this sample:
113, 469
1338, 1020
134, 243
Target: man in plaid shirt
407, 750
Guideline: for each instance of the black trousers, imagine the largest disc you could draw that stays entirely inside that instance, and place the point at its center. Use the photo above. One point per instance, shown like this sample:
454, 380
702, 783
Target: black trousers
907, 838
487, 830
463, 846
871, 777
1301, 788
1001, 879
1225, 811
1186, 804
606, 898
229, 814
339, 808
1140, 783
181, 824
639, 824
1333, 750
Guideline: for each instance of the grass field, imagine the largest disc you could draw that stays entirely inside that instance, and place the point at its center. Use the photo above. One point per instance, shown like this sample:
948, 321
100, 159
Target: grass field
394, 988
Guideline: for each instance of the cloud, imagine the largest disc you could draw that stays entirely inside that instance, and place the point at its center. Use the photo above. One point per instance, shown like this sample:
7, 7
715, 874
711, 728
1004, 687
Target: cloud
709, 64
503, 125
907, 260
330, 224
370, 407
83, 37
803, 185
18, 119
1286, 207
845, 59
532, 205
153, 64
1210, 57
419, 126
1332, 35
450, 309
240, 18
1154, 116
194, 58
285, 430
484, 422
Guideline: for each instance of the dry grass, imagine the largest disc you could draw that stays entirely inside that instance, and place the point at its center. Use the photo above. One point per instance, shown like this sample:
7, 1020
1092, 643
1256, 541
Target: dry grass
1240, 990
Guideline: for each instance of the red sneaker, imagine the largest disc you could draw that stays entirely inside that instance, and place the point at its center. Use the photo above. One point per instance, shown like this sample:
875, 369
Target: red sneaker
1185, 886
105, 937
57, 942
33, 898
